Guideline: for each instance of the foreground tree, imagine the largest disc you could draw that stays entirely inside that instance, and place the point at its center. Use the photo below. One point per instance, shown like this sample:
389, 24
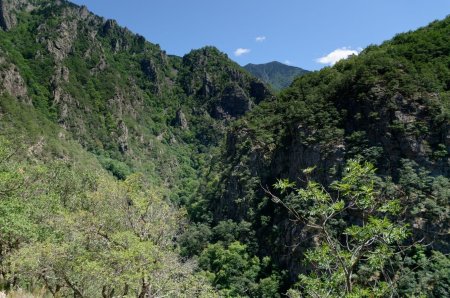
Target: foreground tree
354, 236
117, 240
75, 233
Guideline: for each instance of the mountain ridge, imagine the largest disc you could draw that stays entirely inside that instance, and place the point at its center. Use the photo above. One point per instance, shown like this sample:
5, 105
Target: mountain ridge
127, 171
276, 74
101, 52
389, 105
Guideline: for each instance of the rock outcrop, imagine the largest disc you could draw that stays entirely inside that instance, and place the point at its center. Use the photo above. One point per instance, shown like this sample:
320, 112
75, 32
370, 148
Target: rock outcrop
61, 46
387, 106
12, 82
225, 100
117, 94
9, 9
7, 16
149, 69
180, 120
123, 137
6, 19
232, 103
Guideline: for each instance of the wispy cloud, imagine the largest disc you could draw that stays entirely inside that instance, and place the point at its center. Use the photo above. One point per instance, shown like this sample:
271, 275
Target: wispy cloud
336, 55
260, 38
241, 51
287, 62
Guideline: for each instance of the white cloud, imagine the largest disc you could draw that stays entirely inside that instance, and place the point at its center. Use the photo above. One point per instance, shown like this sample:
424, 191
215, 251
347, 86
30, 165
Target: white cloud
287, 62
241, 51
336, 55
260, 38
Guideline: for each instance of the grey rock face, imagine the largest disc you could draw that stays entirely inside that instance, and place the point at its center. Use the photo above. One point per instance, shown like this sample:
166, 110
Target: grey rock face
149, 69
233, 103
109, 26
61, 76
181, 120
62, 45
6, 21
207, 87
125, 103
84, 12
115, 32
101, 65
123, 137
8, 10
12, 82
258, 91
7, 17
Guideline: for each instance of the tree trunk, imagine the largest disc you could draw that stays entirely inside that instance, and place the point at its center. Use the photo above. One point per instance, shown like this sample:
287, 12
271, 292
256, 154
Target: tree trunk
144, 289
348, 282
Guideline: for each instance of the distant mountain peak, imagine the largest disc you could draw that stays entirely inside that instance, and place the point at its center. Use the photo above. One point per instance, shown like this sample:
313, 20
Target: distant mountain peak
276, 74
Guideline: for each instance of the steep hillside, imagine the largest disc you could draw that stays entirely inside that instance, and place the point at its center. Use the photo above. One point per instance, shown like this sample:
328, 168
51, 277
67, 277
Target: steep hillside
121, 97
103, 140
389, 106
125, 171
276, 74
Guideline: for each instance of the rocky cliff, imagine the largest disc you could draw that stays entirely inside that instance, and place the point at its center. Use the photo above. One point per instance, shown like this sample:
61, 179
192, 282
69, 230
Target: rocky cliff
389, 106
117, 94
209, 137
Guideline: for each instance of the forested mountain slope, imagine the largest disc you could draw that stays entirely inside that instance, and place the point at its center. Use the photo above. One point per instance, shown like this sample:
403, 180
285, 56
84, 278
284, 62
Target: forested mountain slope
125, 171
388, 106
120, 97
276, 74
103, 139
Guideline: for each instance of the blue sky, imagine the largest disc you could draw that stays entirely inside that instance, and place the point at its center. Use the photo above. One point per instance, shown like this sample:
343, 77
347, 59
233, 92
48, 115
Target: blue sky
297, 32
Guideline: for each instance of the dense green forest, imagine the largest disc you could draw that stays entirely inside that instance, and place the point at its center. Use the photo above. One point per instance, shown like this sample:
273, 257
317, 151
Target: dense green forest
127, 172
277, 75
